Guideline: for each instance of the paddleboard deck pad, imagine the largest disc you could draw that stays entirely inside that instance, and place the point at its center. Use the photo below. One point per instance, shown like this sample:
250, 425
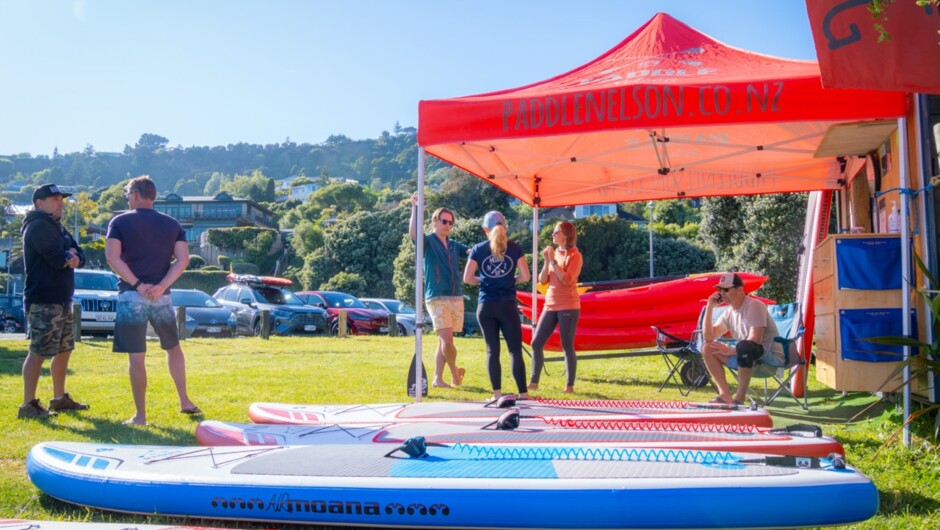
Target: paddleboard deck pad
475, 411
465, 486
795, 441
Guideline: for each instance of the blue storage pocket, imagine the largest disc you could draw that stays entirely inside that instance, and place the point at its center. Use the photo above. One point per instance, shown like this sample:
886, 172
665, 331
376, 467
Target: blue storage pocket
869, 263
856, 325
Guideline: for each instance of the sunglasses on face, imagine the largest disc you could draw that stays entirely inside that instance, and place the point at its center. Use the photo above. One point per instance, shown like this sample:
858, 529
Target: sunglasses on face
725, 289
447, 221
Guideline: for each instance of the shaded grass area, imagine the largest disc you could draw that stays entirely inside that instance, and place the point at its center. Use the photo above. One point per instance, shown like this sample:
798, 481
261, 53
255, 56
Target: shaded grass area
226, 376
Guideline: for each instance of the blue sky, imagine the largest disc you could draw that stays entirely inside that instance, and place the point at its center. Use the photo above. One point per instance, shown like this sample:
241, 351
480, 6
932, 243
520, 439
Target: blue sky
213, 72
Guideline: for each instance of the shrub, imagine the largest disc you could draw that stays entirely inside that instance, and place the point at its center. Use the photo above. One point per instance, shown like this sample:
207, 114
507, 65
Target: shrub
225, 262
195, 262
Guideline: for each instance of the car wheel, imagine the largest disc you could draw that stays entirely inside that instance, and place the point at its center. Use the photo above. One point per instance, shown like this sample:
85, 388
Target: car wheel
402, 332
9, 326
334, 328
256, 328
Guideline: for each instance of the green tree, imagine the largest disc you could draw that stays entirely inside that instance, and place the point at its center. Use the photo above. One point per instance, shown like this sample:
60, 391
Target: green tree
255, 187
363, 243
759, 234
6, 168
308, 237
346, 282
612, 248
343, 197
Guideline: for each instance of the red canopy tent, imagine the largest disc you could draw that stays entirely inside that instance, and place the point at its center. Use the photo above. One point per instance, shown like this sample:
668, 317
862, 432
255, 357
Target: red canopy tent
669, 112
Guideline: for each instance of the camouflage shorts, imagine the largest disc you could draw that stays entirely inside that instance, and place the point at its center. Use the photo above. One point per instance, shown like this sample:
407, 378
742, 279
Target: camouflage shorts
50, 329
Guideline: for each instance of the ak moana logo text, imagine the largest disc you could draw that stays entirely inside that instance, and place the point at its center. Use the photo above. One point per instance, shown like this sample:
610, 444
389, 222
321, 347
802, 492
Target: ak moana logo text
284, 503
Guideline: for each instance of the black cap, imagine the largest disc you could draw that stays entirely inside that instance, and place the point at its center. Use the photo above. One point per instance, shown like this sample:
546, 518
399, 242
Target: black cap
48, 190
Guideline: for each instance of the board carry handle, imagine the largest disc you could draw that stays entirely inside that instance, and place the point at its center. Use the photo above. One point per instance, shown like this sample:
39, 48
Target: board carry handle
805, 462
416, 447
814, 431
502, 402
506, 421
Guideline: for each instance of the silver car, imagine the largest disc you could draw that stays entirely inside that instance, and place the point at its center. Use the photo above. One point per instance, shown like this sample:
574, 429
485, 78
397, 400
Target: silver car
404, 315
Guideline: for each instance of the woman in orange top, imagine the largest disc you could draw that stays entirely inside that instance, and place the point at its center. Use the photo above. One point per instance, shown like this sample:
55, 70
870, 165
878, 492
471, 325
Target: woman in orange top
562, 302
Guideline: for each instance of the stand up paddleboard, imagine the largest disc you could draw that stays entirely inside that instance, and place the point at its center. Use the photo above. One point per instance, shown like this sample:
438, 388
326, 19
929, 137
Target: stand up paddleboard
458, 486
475, 411
797, 440
23, 524
259, 280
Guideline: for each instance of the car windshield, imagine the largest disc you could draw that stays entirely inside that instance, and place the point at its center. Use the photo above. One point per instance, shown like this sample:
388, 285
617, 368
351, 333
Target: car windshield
343, 301
96, 282
397, 307
193, 299
278, 296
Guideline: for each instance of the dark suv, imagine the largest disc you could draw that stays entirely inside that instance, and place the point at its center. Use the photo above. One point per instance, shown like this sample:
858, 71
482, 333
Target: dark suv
289, 315
11, 313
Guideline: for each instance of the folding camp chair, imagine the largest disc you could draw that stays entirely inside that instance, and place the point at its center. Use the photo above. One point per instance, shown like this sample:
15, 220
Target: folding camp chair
684, 362
789, 322
683, 358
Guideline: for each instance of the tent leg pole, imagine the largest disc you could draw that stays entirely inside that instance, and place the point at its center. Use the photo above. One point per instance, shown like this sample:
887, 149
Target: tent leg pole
905, 268
419, 278
535, 266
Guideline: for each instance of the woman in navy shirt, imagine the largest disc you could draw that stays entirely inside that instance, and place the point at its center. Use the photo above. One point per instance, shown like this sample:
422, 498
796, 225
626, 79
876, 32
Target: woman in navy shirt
501, 264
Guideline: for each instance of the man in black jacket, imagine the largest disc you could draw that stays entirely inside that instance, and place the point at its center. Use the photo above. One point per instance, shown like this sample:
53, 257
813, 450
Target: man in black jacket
50, 255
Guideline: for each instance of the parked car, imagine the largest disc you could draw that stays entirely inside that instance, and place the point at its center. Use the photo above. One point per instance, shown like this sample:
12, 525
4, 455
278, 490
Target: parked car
11, 313
97, 292
205, 316
404, 315
361, 319
289, 314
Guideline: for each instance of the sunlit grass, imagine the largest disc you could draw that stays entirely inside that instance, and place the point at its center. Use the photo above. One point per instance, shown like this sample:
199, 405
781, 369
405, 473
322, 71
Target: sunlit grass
225, 376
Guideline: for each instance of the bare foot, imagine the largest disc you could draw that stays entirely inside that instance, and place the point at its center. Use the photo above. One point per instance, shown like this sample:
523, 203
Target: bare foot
135, 421
496, 395
439, 384
569, 390
533, 386
458, 379
523, 395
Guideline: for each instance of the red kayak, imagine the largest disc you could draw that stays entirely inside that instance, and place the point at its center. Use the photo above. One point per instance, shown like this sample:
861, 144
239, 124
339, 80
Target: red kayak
654, 298
599, 339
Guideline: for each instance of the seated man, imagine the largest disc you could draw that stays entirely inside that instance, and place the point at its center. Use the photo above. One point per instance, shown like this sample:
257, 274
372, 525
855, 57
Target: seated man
750, 324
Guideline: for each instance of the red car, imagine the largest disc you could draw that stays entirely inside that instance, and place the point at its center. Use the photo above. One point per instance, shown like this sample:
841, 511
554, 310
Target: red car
361, 319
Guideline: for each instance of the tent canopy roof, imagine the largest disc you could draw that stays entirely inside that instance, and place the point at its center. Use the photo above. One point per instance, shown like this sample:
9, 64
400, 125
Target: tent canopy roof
668, 113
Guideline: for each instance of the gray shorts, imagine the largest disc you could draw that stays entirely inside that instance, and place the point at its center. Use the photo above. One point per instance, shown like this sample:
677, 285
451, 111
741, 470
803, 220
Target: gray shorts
130, 323
50, 329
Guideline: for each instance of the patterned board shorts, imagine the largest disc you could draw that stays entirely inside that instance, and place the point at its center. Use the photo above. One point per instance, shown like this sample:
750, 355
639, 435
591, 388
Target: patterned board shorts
50, 329
446, 312
130, 323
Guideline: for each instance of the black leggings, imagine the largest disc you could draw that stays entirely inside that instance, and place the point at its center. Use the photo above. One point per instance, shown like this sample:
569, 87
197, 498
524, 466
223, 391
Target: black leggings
567, 322
493, 318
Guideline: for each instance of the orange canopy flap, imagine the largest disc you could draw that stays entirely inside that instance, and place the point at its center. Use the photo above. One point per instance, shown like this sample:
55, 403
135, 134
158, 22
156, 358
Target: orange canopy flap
667, 113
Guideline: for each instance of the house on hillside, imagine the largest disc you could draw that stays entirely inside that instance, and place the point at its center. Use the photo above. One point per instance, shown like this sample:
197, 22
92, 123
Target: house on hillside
199, 213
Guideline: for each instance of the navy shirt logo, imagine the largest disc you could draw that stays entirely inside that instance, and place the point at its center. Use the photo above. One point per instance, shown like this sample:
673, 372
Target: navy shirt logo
494, 267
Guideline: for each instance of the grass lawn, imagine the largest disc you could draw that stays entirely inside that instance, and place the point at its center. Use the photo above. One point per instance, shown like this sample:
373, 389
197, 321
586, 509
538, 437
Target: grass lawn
225, 376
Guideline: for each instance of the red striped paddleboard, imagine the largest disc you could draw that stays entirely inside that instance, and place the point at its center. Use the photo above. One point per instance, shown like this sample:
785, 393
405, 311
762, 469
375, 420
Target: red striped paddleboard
480, 412
803, 440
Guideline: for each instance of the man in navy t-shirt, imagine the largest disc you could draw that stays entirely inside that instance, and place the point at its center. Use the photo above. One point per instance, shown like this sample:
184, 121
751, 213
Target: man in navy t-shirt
140, 247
